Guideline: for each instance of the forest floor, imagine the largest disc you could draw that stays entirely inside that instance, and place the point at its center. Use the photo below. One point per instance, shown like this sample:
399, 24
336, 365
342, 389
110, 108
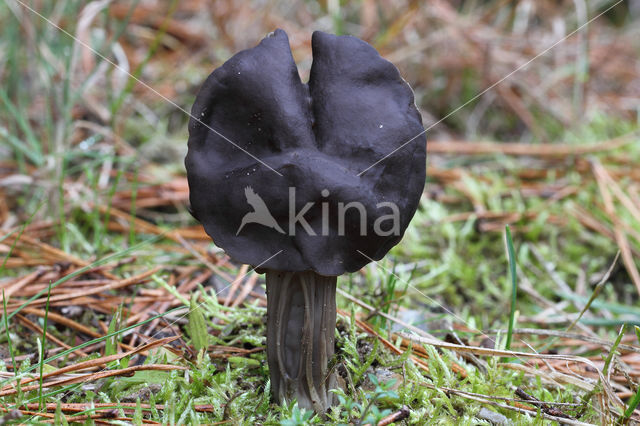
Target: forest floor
118, 308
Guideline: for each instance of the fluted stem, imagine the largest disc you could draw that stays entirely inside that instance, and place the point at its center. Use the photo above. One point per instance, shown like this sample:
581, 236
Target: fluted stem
301, 321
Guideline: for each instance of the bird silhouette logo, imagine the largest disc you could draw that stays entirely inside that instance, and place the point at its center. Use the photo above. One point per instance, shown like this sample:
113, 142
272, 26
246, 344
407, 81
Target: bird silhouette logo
260, 213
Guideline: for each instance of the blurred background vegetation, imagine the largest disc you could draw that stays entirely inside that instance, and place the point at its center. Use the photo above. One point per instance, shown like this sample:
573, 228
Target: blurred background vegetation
532, 111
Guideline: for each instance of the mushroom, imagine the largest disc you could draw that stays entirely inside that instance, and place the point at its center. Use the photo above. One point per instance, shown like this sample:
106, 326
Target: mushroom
275, 170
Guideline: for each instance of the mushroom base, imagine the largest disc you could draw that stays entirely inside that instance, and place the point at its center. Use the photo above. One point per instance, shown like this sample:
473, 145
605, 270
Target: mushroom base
301, 322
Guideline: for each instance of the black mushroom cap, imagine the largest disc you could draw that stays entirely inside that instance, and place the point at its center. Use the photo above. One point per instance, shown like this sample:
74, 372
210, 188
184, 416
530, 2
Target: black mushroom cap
258, 134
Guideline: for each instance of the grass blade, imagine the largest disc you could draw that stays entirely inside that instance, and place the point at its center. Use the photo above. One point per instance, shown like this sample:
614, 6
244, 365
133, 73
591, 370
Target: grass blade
607, 361
514, 285
197, 326
596, 292
43, 347
6, 329
633, 403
